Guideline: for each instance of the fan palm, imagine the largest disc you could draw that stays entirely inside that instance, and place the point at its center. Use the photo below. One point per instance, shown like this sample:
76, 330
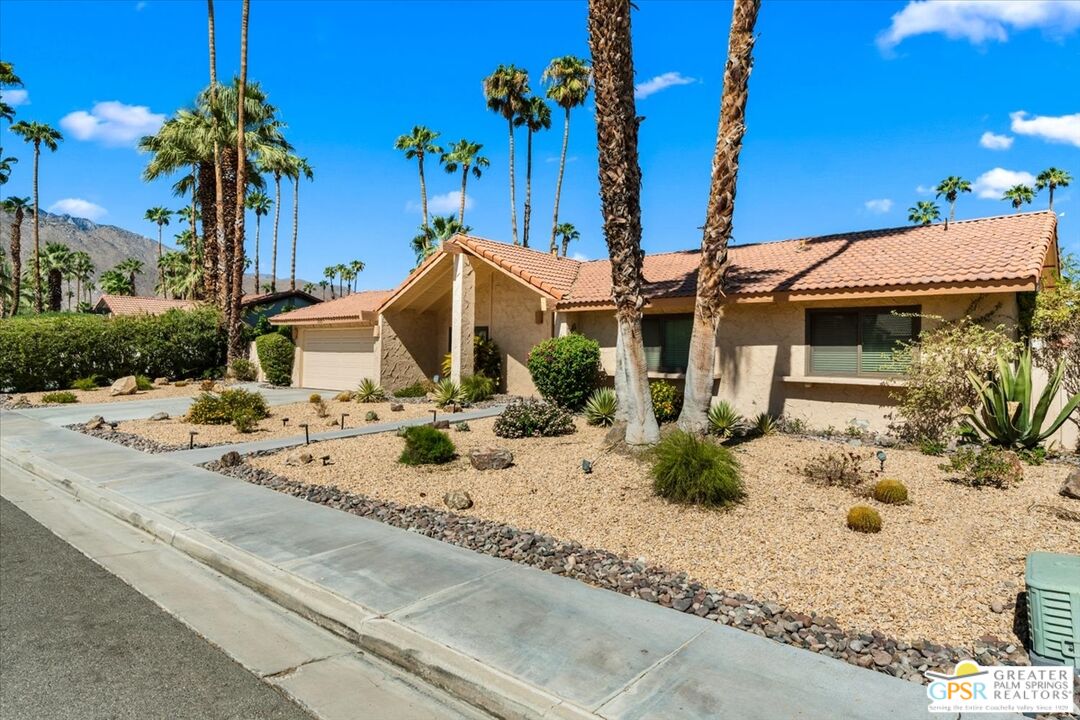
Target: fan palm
505, 91
82, 267
115, 282
1018, 195
299, 169
55, 260
322, 286
5, 167
1052, 178
37, 134
924, 212
17, 207
568, 233
259, 203
951, 187
356, 267
330, 273
347, 277
428, 240
568, 79
159, 216
416, 145
8, 78
535, 116
466, 155
130, 268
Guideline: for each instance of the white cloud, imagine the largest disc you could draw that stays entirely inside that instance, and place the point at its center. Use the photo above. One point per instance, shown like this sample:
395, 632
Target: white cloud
661, 82
879, 206
990, 141
16, 97
77, 207
992, 183
925, 190
445, 203
979, 21
580, 257
1060, 129
112, 123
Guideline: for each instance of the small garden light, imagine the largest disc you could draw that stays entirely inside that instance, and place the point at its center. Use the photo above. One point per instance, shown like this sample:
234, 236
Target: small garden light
307, 438
343, 416
881, 456
191, 439
586, 466
284, 422
434, 415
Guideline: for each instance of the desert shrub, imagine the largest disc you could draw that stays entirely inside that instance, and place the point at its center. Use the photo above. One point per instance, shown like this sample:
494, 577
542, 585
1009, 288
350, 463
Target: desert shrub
1033, 456
601, 406
835, 468
371, 416
448, 392
462, 426
63, 397
986, 466
666, 401
343, 396
533, 418
244, 421
276, 358
890, 492
182, 383
369, 391
723, 420
49, 352
764, 424
932, 447
477, 388
321, 411
1055, 326
864, 519
424, 445
87, 383
416, 390
690, 469
225, 407
206, 385
314, 398
565, 369
487, 359
143, 383
243, 370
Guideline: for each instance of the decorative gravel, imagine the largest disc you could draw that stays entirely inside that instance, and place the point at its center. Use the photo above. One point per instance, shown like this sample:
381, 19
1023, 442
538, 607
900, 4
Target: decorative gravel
101, 395
130, 440
948, 566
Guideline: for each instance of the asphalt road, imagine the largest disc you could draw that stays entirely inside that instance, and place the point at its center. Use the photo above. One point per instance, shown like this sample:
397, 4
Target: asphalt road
76, 642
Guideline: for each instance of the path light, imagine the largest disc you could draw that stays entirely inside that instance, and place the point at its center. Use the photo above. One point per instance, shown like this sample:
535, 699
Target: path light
307, 438
881, 459
191, 439
586, 466
343, 416
284, 422
434, 414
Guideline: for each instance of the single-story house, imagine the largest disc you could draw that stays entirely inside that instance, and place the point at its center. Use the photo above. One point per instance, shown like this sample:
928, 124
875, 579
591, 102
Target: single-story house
808, 330
138, 305
268, 304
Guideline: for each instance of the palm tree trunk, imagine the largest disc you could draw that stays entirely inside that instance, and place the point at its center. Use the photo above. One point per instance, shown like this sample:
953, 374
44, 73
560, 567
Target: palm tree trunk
214, 281
528, 190
513, 198
465, 179
236, 337
558, 183
160, 269
37, 238
258, 229
16, 260
194, 231
1050, 187
423, 187
277, 218
295, 230
713, 266
620, 196
208, 203
78, 287
565, 245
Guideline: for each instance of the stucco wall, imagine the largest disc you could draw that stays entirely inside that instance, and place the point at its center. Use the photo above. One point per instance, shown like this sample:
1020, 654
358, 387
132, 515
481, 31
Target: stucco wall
406, 351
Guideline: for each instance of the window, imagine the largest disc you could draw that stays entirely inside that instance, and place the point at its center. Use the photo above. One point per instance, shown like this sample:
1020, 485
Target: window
860, 341
667, 342
480, 331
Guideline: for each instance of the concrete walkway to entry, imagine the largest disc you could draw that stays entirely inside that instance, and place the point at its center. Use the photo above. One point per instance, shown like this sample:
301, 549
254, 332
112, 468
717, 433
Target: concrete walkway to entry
516, 641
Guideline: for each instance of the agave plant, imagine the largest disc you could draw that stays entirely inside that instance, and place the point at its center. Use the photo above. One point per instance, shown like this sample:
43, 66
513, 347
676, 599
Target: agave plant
477, 388
723, 420
448, 392
764, 424
601, 406
1007, 416
369, 392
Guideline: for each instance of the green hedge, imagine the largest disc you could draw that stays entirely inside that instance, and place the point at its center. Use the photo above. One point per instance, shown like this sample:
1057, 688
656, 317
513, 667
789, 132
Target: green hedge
565, 369
276, 358
50, 352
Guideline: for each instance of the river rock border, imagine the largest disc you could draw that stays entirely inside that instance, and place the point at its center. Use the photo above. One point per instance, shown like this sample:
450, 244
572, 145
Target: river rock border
604, 569
131, 440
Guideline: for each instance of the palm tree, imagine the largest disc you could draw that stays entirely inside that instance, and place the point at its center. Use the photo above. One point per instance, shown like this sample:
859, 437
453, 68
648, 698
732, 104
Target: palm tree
8, 78
466, 155
237, 263
83, 269
17, 207
924, 212
260, 203
130, 268
37, 134
215, 284
429, 239
568, 79
159, 216
347, 277
115, 282
568, 233
300, 168
276, 162
330, 272
310, 288
1052, 178
535, 116
357, 267
1018, 195
322, 285
505, 91
55, 263
951, 187
415, 145
5, 167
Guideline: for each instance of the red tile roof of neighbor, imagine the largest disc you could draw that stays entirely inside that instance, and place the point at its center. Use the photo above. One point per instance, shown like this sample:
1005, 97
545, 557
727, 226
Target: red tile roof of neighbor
137, 305
358, 306
268, 297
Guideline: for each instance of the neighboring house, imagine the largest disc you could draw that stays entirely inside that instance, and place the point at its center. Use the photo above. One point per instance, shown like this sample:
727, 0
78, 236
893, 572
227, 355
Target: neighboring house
270, 304
137, 305
808, 331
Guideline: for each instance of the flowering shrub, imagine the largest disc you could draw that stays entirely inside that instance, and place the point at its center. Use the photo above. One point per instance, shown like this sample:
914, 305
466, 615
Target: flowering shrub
565, 369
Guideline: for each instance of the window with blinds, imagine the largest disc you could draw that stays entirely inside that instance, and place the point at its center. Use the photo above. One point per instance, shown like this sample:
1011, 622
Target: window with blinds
667, 342
860, 341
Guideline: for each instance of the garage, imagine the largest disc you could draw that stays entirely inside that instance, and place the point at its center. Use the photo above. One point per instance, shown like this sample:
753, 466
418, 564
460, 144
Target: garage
337, 358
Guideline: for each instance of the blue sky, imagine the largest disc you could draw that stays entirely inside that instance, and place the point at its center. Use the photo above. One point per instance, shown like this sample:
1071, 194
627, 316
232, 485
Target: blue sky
855, 109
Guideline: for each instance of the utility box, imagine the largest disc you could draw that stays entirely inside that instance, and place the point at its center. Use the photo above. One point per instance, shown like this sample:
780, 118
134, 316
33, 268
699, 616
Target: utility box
1053, 604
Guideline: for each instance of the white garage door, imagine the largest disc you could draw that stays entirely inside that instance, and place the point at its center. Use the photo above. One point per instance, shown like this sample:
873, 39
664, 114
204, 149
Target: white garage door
337, 359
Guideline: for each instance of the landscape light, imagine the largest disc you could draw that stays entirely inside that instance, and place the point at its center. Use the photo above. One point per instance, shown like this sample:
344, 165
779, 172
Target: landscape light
191, 439
284, 422
343, 416
586, 466
881, 458
307, 438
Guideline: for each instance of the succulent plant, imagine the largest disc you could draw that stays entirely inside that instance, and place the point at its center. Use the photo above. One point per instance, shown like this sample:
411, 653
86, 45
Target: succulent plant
723, 420
601, 406
890, 492
864, 519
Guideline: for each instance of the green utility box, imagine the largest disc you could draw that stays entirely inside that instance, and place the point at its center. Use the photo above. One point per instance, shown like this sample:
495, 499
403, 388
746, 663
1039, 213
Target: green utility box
1053, 602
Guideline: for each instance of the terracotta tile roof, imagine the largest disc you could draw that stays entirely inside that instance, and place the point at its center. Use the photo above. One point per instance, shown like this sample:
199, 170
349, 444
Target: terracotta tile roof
137, 305
357, 307
544, 271
268, 297
986, 250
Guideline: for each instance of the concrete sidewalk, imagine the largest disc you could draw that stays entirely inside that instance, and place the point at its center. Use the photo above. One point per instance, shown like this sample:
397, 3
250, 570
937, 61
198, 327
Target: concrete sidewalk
515, 641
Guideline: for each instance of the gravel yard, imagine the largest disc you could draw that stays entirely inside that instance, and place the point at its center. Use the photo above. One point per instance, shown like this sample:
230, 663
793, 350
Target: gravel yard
174, 431
101, 395
934, 571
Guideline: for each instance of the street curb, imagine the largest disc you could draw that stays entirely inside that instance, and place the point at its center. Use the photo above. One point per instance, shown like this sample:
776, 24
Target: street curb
463, 677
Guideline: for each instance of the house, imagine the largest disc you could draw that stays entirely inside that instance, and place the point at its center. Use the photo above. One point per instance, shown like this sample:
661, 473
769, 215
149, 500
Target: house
138, 305
272, 303
808, 331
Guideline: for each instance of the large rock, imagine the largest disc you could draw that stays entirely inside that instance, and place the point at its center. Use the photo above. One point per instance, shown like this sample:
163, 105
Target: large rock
124, 386
231, 459
161, 381
95, 423
491, 458
396, 407
159, 416
457, 500
1071, 487
299, 458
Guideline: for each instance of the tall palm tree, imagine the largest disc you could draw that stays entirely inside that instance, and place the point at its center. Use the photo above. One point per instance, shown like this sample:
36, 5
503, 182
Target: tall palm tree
505, 91
568, 79
466, 155
330, 273
924, 212
37, 134
159, 216
115, 282
83, 269
236, 348
310, 288
1018, 195
260, 203
8, 78
620, 199
55, 260
568, 233
1051, 178
17, 207
429, 239
5, 167
535, 116
347, 277
276, 162
130, 268
300, 169
951, 187
357, 267
719, 214
322, 285
416, 145
215, 247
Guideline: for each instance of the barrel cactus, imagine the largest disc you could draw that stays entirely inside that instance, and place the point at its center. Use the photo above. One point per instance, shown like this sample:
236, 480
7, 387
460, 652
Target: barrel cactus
864, 519
890, 492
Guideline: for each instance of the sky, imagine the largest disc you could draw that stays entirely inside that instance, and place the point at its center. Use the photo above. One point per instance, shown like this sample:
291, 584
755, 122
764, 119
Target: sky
856, 110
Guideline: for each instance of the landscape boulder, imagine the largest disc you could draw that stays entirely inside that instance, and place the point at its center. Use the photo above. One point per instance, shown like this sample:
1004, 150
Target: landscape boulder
457, 500
159, 416
396, 407
161, 381
124, 386
1071, 487
491, 458
299, 458
230, 459
95, 423
441, 424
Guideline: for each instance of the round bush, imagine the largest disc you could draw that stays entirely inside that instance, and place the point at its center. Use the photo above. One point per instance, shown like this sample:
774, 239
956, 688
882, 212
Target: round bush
565, 369
424, 445
243, 370
276, 358
314, 398
864, 519
227, 407
689, 469
533, 418
890, 492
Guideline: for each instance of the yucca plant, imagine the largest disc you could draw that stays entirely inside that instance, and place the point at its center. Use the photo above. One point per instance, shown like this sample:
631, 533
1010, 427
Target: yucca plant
447, 392
1006, 415
369, 392
764, 424
723, 420
477, 388
601, 406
